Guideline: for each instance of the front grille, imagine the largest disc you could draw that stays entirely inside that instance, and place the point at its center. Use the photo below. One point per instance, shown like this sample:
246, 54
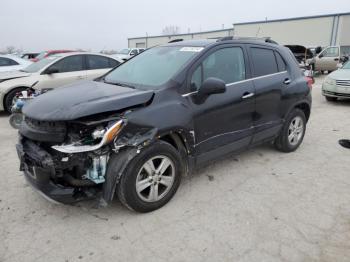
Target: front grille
44, 131
343, 83
47, 126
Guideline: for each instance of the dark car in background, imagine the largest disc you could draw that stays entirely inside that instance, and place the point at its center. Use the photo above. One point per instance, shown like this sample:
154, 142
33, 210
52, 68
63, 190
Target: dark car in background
301, 53
29, 56
134, 131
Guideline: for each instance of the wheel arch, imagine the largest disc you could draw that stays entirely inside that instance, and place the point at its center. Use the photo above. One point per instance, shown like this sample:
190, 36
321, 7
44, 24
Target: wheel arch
8, 91
305, 107
179, 142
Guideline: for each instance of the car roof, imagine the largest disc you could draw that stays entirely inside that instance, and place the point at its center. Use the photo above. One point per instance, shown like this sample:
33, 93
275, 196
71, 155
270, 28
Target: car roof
83, 53
13, 57
9, 56
210, 42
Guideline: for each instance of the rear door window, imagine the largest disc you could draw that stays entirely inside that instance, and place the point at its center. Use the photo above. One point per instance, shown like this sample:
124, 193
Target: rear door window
98, 62
113, 63
264, 61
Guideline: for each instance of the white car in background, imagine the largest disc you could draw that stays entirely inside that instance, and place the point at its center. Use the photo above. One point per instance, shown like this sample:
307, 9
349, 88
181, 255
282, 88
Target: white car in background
337, 84
12, 63
127, 53
53, 71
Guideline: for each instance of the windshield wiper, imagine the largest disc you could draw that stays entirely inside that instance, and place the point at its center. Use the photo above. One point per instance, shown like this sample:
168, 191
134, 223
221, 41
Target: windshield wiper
118, 84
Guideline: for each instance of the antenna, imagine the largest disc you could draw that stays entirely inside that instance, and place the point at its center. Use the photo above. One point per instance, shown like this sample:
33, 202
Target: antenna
257, 33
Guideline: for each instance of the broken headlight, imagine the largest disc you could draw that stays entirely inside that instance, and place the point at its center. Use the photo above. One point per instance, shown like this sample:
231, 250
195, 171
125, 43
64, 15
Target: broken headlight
105, 135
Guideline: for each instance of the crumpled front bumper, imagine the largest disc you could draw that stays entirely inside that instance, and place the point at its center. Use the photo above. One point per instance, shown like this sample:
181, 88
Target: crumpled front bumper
39, 169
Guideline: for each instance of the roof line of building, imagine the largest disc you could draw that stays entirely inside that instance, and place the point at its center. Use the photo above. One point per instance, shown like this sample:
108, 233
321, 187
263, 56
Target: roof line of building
194, 33
291, 19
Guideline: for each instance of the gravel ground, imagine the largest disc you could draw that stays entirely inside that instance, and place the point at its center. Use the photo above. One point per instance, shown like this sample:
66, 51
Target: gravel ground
261, 205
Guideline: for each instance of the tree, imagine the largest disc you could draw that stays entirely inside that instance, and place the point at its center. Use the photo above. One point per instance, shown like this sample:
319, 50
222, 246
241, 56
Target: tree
171, 30
10, 49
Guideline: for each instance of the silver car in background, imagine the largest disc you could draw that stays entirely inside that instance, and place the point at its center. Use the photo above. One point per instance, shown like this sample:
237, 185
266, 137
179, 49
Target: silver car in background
337, 84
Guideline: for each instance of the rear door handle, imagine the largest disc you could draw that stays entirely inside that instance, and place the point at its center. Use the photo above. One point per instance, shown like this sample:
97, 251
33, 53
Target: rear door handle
287, 81
247, 95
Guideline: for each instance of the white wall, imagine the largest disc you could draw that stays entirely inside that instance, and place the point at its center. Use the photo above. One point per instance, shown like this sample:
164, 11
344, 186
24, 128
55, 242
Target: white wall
343, 37
308, 32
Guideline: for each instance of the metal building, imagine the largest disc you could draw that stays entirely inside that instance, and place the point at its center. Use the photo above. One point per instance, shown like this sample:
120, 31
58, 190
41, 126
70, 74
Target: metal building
311, 31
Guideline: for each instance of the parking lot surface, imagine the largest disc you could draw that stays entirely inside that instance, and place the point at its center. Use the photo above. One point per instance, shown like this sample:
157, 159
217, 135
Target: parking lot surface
260, 205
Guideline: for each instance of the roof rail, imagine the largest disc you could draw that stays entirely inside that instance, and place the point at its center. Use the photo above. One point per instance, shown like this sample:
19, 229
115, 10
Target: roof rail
264, 39
176, 40
226, 38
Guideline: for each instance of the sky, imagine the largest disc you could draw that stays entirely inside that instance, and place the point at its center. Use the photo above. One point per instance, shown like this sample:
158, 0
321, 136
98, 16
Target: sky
36, 25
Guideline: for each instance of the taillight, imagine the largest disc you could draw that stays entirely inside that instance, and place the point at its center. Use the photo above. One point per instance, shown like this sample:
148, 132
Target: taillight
310, 81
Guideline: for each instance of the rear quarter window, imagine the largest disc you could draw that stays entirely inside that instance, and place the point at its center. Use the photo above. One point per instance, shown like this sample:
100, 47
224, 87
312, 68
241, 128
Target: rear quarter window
264, 61
280, 62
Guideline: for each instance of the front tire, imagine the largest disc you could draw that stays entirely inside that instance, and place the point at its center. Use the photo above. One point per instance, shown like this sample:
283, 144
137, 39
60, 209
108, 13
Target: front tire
331, 99
151, 179
292, 133
8, 101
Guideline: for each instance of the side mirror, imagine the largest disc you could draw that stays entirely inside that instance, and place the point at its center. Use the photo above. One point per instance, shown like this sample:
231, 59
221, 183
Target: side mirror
211, 86
52, 70
320, 55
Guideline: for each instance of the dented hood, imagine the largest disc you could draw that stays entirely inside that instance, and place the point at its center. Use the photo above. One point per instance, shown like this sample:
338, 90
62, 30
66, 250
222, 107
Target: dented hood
82, 99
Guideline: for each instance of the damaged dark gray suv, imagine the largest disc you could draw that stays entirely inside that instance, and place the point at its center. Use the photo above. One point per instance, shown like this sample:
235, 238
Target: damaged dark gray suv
135, 131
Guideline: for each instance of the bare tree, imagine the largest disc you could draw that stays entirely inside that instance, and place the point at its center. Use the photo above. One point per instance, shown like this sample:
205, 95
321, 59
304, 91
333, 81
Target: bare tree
10, 49
171, 30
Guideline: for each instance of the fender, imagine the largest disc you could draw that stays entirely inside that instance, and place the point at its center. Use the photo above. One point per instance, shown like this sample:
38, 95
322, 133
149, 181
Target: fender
299, 104
115, 169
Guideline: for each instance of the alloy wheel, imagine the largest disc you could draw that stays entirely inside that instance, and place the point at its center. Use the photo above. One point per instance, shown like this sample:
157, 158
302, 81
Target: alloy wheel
155, 178
295, 130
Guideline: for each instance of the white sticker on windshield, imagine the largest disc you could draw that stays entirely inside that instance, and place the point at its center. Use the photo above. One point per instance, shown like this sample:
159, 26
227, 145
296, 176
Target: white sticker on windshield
191, 49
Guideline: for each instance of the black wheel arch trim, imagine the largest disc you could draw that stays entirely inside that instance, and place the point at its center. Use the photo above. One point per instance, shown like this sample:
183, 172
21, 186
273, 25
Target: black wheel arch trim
300, 104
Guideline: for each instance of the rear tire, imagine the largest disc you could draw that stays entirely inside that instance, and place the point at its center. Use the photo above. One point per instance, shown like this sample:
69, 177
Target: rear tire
142, 187
292, 133
8, 101
331, 99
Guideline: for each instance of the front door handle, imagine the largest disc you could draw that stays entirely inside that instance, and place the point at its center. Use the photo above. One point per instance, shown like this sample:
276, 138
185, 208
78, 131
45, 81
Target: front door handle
336, 59
287, 81
247, 95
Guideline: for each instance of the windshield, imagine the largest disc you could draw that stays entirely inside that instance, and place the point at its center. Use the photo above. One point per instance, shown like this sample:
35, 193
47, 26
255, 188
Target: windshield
41, 55
124, 51
346, 65
37, 66
153, 67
